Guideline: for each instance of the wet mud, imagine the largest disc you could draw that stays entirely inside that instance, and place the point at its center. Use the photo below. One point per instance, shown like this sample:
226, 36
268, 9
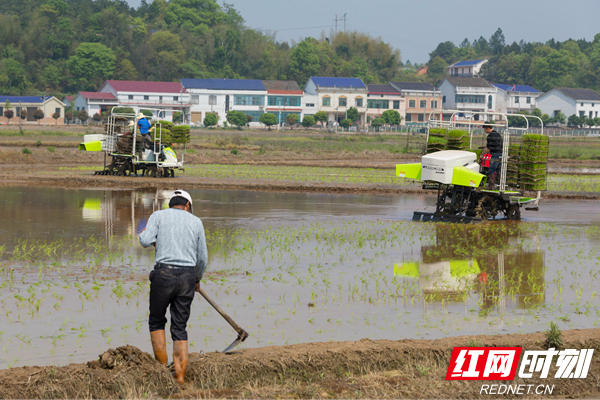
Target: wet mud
363, 369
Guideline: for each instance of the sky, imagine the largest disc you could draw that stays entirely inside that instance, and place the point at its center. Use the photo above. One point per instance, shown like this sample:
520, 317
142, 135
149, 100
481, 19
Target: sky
417, 27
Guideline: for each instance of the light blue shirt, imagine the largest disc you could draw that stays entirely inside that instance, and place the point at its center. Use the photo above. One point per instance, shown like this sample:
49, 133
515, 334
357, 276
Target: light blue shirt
179, 237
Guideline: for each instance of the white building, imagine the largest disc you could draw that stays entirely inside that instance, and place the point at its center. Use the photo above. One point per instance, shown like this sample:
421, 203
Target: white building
93, 103
471, 95
337, 95
284, 98
581, 102
420, 98
466, 69
220, 96
518, 97
171, 96
381, 98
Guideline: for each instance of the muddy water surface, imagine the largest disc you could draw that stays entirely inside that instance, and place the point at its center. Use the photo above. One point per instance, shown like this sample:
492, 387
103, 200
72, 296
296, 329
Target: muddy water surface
289, 267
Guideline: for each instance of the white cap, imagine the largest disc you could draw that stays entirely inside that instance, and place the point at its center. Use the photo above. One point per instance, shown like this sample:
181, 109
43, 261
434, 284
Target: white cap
184, 194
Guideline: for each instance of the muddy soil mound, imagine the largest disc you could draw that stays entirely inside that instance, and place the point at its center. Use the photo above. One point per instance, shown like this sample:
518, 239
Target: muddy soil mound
363, 369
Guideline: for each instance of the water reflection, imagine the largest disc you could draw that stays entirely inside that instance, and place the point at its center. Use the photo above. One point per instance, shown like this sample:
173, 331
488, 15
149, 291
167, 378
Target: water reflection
489, 262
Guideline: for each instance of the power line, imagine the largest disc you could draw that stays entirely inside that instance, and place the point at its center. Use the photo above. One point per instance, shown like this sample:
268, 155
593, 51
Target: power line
295, 29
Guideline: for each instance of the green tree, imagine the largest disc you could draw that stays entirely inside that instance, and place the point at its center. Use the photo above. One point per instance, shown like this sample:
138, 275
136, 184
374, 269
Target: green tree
377, 122
346, 123
167, 55
304, 61
82, 116
68, 116
210, 120
38, 114
438, 69
268, 119
237, 118
91, 65
560, 118
292, 119
497, 42
320, 116
352, 114
56, 116
12, 75
97, 117
391, 117
308, 121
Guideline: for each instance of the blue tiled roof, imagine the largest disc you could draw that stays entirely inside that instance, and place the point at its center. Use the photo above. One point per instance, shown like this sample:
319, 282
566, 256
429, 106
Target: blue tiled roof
466, 63
223, 84
337, 82
24, 99
517, 88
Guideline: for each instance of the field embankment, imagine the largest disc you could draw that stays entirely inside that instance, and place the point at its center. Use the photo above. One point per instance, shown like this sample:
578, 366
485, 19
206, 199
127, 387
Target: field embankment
363, 369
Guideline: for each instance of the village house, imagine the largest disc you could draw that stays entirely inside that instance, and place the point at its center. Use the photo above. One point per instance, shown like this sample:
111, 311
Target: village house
381, 98
48, 105
420, 99
581, 102
337, 95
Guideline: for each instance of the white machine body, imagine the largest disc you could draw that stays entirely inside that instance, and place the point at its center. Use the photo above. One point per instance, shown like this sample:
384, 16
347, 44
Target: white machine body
439, 166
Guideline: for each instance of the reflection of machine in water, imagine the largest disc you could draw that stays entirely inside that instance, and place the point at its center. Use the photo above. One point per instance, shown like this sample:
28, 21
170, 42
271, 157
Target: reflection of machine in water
112, 206
490, 260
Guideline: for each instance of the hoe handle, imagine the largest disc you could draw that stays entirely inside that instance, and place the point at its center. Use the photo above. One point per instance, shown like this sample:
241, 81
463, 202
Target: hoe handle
231, 322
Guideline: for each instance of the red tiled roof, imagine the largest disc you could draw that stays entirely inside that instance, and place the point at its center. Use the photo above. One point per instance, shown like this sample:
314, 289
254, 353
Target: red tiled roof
148, 87
69, 98
285, 92
98, 96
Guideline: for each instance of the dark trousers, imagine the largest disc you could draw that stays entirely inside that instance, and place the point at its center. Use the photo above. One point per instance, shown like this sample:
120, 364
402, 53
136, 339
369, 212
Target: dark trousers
174, 288
495, 163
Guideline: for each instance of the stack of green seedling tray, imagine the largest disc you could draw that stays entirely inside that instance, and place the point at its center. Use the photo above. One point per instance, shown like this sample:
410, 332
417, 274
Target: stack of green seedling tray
437, 140
533, 161
180, 134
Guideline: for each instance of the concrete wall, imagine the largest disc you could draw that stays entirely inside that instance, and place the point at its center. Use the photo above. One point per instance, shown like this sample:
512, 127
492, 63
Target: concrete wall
556, 100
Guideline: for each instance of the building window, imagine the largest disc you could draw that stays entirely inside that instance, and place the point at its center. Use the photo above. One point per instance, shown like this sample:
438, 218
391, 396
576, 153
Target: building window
556, 112
327, 101
396, 104
287, 101
421, 117
212, 100
465, 98
528, 100
423, 104
372, 103
309, 105
146, 97
412, 103
516, 99
408, 118
581, 104
195, 99
596, 114
489, 102
342, 102
57, 110
130, 97
248, 100
592, 104
175, 98
433, 104
582, 113
591, 114
77, 108
359, 102
444, 99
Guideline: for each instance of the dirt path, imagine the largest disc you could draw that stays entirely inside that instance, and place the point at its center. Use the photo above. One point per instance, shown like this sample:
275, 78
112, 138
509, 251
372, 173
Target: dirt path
363, 369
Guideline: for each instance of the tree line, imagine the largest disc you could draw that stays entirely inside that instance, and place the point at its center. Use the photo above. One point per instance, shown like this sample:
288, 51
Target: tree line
544, 66
66, 46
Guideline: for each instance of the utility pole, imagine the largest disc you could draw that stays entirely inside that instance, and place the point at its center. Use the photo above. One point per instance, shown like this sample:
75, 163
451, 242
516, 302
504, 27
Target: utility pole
345, 22
340, 19
336, 20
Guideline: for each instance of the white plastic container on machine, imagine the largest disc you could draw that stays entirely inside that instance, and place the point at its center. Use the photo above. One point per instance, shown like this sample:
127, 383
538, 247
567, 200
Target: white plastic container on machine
439, 166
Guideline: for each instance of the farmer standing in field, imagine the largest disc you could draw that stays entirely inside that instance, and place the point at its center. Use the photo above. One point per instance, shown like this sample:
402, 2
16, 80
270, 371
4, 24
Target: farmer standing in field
181, 258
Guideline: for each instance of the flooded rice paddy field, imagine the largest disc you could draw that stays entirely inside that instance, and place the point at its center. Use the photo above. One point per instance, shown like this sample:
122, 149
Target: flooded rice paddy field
289, 268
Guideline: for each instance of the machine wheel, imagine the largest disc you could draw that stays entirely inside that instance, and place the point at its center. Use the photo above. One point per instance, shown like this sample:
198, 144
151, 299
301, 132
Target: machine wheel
513, 212
152, 172
486, 208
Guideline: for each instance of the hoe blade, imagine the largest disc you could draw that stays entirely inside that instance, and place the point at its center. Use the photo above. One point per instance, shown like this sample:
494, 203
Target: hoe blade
241, 337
